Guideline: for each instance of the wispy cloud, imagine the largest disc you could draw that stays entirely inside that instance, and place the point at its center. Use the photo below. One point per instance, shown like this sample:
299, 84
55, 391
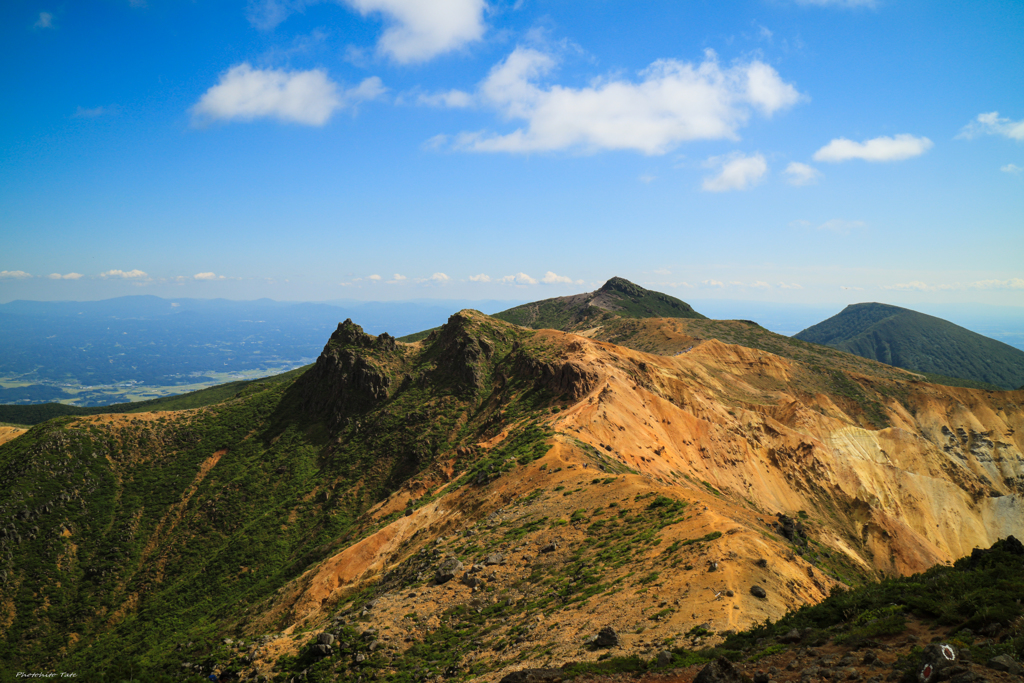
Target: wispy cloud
838, 3
82, 113
841, 227
801, 174
670, 102
396, 278
1011, 168
13, 274
738, 172
69, 276
480, 278
45, 20
208, 276
1013, 283
992, 124
884, 148
307, 97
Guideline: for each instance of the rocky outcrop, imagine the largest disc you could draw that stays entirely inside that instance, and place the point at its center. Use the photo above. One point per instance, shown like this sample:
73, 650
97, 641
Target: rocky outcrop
349, 376
568, 380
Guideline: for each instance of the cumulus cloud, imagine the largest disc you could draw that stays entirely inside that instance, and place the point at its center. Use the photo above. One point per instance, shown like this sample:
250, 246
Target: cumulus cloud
396, 278
518, 279
439, 277
480, 278
738, 172
551, 279
307, 97
45, 20
125, 274
69, 276
670, 102
375, 278
1011, 168
883, 148
13, 274
208, 276
790, 285
801, 174
419, 31
992, 124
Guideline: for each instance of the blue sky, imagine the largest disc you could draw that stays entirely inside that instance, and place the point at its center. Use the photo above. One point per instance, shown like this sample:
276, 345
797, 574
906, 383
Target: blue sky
787, 151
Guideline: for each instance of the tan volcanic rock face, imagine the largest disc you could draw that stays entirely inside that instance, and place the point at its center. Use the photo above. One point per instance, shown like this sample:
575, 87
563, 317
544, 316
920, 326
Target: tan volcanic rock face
739, 435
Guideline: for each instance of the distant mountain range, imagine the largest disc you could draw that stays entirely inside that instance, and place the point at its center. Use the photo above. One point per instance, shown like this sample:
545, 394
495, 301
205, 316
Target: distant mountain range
918, 342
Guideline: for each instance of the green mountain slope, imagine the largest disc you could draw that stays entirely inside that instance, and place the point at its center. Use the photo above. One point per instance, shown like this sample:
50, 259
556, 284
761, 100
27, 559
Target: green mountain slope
920, 343
617, 297
136, 534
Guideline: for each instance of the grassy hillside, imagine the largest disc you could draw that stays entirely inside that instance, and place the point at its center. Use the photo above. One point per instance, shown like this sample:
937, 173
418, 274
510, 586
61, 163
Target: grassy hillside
921, 343
133, 542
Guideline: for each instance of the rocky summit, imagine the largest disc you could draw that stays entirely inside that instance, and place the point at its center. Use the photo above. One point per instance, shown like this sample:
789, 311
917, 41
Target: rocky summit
494, 499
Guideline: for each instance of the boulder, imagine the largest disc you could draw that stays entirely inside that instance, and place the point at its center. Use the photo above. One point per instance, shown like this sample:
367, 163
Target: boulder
549, 548
447, 570
1006, 663
325, 639
664, 658
607, 637
936, 661
493, 559
792, 637
721, 671
758, 592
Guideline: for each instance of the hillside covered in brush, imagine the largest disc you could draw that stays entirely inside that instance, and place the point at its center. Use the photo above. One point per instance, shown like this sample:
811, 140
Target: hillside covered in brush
921, 343
488, 498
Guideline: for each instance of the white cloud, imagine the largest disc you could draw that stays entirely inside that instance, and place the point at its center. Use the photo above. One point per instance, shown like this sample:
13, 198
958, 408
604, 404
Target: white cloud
396, 278
13, 274
480, 278
790, 285
670, 103
421, 30
1011, 168
45, 20
518, 279
453, 99
307, 97
883, 148
738, 172
838, 3
1013, 283
841, 227
801, 174
125, 274
375, 278
208, 276
991, 124
551, 279
69, 276
439, 277
647, 178
81, 113
713, 283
